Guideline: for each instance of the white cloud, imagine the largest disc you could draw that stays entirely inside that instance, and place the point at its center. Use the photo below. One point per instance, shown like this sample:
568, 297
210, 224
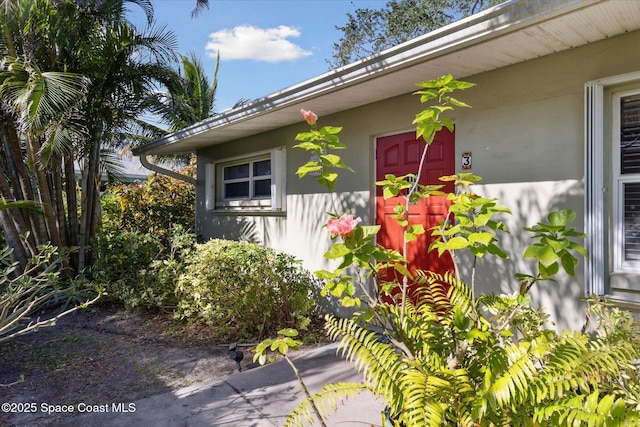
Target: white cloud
260, 44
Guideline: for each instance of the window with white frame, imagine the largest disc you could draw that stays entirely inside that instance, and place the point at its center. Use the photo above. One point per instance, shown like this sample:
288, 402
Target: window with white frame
626, 169
246, 180
612, 186
252, 182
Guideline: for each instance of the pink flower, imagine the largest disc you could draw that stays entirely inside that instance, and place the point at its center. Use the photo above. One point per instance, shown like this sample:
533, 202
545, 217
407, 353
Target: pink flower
343, 226
309, 116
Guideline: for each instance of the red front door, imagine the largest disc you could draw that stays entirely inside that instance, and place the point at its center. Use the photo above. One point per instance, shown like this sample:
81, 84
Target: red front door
400, 155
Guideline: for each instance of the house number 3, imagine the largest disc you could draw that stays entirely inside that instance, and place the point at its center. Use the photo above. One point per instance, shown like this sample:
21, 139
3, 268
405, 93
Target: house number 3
466, 160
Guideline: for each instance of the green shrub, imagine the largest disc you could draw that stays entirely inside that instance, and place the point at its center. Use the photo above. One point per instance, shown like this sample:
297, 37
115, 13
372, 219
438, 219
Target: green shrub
223, 283
137, 269
121, 254
244, 287
154, 206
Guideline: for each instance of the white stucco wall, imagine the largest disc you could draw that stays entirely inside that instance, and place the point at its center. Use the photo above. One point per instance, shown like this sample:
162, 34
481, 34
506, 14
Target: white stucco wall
525, 133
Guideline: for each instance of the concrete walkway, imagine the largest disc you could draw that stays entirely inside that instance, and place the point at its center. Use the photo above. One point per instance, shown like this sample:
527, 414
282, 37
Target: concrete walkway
259, 397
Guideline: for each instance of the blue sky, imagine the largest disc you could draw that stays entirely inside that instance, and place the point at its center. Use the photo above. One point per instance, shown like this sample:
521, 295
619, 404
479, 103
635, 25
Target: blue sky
265, 45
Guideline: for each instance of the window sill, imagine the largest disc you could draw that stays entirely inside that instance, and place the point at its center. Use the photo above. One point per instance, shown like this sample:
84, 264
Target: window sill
628, 302
247, 212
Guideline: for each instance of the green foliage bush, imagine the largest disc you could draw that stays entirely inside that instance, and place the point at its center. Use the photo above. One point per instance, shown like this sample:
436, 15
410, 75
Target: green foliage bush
137, 269
146, 256
223, 283
245, 289
154, 206
146, 228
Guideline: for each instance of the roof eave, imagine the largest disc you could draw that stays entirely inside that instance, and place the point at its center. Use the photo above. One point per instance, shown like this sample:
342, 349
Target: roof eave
481, 27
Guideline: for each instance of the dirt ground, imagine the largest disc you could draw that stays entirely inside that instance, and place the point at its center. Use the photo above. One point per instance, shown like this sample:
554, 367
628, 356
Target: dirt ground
104, 355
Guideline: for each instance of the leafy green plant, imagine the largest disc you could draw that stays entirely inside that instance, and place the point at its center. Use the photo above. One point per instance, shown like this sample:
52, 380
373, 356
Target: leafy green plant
229, 283
147, 229
155, 206
137, 269
445, 356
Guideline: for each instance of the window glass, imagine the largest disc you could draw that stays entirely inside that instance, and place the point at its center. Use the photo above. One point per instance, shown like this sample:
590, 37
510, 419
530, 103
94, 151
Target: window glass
237, 190
252, 183
632, 221
630, 165
630, 134
262, 168
612, 218
248, 180
236, 171
262, 188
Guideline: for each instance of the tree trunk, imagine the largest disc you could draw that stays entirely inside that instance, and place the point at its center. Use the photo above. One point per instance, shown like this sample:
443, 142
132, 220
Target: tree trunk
90, 198
72, 206
13, 225
61, 218
45, 193
12, 238
21, 186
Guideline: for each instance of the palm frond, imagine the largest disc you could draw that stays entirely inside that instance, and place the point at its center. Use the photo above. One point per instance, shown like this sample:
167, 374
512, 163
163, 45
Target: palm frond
199, 7
20, 204
158, 42
111, 164
39, 97
61, 136
147, 7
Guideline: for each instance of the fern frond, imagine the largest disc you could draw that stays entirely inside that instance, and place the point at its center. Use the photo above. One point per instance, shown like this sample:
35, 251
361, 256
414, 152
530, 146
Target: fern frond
591, 410
326, 400
422, 331
420, 408
428, 291
442, 292
380, 362
564, 370
576, 364
436, 398
513, 384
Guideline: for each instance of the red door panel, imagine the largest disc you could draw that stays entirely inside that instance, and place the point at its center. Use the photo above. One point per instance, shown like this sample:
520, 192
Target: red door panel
400, 155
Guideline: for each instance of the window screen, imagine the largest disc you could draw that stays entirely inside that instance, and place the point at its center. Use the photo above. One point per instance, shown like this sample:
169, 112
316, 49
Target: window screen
630, 164
630, 135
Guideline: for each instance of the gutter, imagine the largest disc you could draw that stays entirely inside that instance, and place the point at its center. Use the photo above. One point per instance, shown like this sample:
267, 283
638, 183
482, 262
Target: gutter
163, 171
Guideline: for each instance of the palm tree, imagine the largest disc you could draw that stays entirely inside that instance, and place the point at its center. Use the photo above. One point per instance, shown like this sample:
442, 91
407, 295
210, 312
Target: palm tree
74, 79
190, 96
116, 102
36, 101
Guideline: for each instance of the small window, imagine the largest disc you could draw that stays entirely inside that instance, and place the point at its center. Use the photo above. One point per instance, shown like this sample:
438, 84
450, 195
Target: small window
254, 182
247, 181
